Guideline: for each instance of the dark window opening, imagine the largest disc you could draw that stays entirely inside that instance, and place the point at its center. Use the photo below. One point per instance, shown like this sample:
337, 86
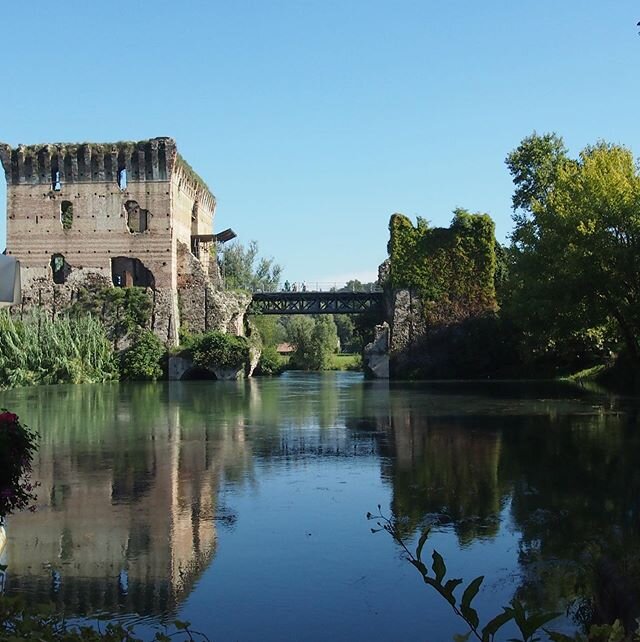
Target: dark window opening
194, 212
56, 185
195, 247
137, 218
122, 179
127, 272
60, 269
66, 214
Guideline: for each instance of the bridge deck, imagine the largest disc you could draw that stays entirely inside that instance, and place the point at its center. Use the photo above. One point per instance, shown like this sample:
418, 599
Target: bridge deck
314, 302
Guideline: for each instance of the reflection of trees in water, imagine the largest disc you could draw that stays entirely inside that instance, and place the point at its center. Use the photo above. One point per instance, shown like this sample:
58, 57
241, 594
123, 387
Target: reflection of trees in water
568, 466
444, 470
576, 494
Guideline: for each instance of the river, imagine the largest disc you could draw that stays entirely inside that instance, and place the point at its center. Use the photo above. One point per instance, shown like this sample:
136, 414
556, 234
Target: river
241, 506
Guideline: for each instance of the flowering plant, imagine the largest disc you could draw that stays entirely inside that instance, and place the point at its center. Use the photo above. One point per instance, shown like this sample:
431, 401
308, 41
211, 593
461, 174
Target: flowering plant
17, 447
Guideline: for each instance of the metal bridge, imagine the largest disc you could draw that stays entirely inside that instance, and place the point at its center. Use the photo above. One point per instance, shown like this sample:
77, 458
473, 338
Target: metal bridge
305, 302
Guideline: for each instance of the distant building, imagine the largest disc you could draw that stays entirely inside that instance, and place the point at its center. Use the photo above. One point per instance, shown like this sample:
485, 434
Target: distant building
285, 348
126, 213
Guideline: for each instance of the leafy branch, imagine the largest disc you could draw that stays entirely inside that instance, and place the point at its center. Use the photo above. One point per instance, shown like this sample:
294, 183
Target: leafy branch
528, 623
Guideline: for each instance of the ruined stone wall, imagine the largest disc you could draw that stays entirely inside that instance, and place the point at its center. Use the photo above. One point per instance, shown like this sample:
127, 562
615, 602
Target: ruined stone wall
112, 212
202, 305
192, 204
47, 183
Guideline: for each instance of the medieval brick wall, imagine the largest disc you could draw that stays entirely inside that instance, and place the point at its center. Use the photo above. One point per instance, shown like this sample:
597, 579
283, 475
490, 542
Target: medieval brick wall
114, 212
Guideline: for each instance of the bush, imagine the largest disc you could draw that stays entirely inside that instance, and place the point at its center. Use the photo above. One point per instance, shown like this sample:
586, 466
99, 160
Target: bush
218, 350
121, 310
17, 447
271, 363
142, 361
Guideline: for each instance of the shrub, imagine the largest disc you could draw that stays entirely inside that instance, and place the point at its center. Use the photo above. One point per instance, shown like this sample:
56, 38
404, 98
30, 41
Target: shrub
271, 363
142, 361
17, 447
215, 349
121, 310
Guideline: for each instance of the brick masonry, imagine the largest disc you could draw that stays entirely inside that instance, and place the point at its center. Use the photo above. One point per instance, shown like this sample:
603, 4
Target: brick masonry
117, 213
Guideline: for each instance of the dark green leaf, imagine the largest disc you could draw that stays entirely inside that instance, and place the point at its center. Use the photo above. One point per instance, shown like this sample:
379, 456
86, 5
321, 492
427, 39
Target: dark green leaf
493, 625
535, 622
470, 615
421, 567
180, 625
421, 541
439, 567
451, 585
471, 591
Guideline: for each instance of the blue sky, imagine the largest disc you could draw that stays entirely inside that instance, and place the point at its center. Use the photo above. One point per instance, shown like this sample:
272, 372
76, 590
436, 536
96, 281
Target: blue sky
314, 121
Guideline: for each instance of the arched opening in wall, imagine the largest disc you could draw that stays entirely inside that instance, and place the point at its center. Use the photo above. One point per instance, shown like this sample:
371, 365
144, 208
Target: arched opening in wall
137, 218
66, 214
56, 185
127, 272
197, 374
122, 179
60, 269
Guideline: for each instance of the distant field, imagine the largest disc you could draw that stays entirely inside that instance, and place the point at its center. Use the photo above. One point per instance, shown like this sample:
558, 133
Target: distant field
345, 362
338, 362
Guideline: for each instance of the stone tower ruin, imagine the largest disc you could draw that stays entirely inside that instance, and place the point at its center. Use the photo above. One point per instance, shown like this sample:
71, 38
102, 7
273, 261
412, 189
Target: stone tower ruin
122, 214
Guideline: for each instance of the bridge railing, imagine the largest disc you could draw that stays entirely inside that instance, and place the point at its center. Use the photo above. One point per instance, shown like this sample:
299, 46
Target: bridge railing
318, 286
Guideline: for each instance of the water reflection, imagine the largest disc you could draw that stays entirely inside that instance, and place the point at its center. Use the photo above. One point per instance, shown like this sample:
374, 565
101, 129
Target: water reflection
128, 498
136, 479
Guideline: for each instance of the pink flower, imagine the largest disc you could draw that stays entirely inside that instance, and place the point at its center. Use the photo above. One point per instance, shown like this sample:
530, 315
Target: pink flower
8, 418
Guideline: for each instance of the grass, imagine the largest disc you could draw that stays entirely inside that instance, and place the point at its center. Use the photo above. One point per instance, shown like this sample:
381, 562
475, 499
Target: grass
345, 362
40, 350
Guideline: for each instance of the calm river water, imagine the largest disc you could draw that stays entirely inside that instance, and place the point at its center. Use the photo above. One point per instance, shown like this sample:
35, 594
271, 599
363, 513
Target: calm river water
241, 507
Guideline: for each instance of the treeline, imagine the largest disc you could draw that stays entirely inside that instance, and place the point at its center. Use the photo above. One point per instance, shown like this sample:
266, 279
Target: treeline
562, 296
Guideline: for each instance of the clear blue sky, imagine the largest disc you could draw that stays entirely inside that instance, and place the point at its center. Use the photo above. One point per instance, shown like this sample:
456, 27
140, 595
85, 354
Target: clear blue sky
313, 121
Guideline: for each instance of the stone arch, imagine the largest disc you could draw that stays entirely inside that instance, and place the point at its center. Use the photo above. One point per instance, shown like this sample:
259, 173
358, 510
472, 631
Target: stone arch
196, 373
127, 271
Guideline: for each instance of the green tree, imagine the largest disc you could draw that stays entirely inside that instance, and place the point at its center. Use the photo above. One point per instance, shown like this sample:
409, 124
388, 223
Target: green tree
345, 328
575, 254
244, 269
270, 328
315, 340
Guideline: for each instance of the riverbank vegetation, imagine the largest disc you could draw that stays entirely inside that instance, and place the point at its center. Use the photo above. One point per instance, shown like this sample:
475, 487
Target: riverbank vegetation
563, 296
39, 350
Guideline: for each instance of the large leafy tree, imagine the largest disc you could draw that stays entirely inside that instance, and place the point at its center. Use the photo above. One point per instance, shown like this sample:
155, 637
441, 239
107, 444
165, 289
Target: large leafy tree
315, 340
244, 269
575, 247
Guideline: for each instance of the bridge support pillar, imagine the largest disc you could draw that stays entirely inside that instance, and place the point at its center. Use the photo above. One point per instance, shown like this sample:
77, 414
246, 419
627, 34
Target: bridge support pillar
376, 354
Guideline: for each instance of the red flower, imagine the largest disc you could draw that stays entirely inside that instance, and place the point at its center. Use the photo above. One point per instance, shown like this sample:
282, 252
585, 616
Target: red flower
8, 418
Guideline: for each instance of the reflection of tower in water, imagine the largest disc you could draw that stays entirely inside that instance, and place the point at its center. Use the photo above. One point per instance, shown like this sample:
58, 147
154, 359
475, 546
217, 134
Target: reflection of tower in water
131, 529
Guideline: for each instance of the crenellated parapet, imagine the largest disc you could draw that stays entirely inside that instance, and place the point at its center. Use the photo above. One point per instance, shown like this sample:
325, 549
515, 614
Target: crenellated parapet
192, 183
56, 164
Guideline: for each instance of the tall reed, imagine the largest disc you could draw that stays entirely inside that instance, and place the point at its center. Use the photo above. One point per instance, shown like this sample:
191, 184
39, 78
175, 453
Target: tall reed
39, 350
